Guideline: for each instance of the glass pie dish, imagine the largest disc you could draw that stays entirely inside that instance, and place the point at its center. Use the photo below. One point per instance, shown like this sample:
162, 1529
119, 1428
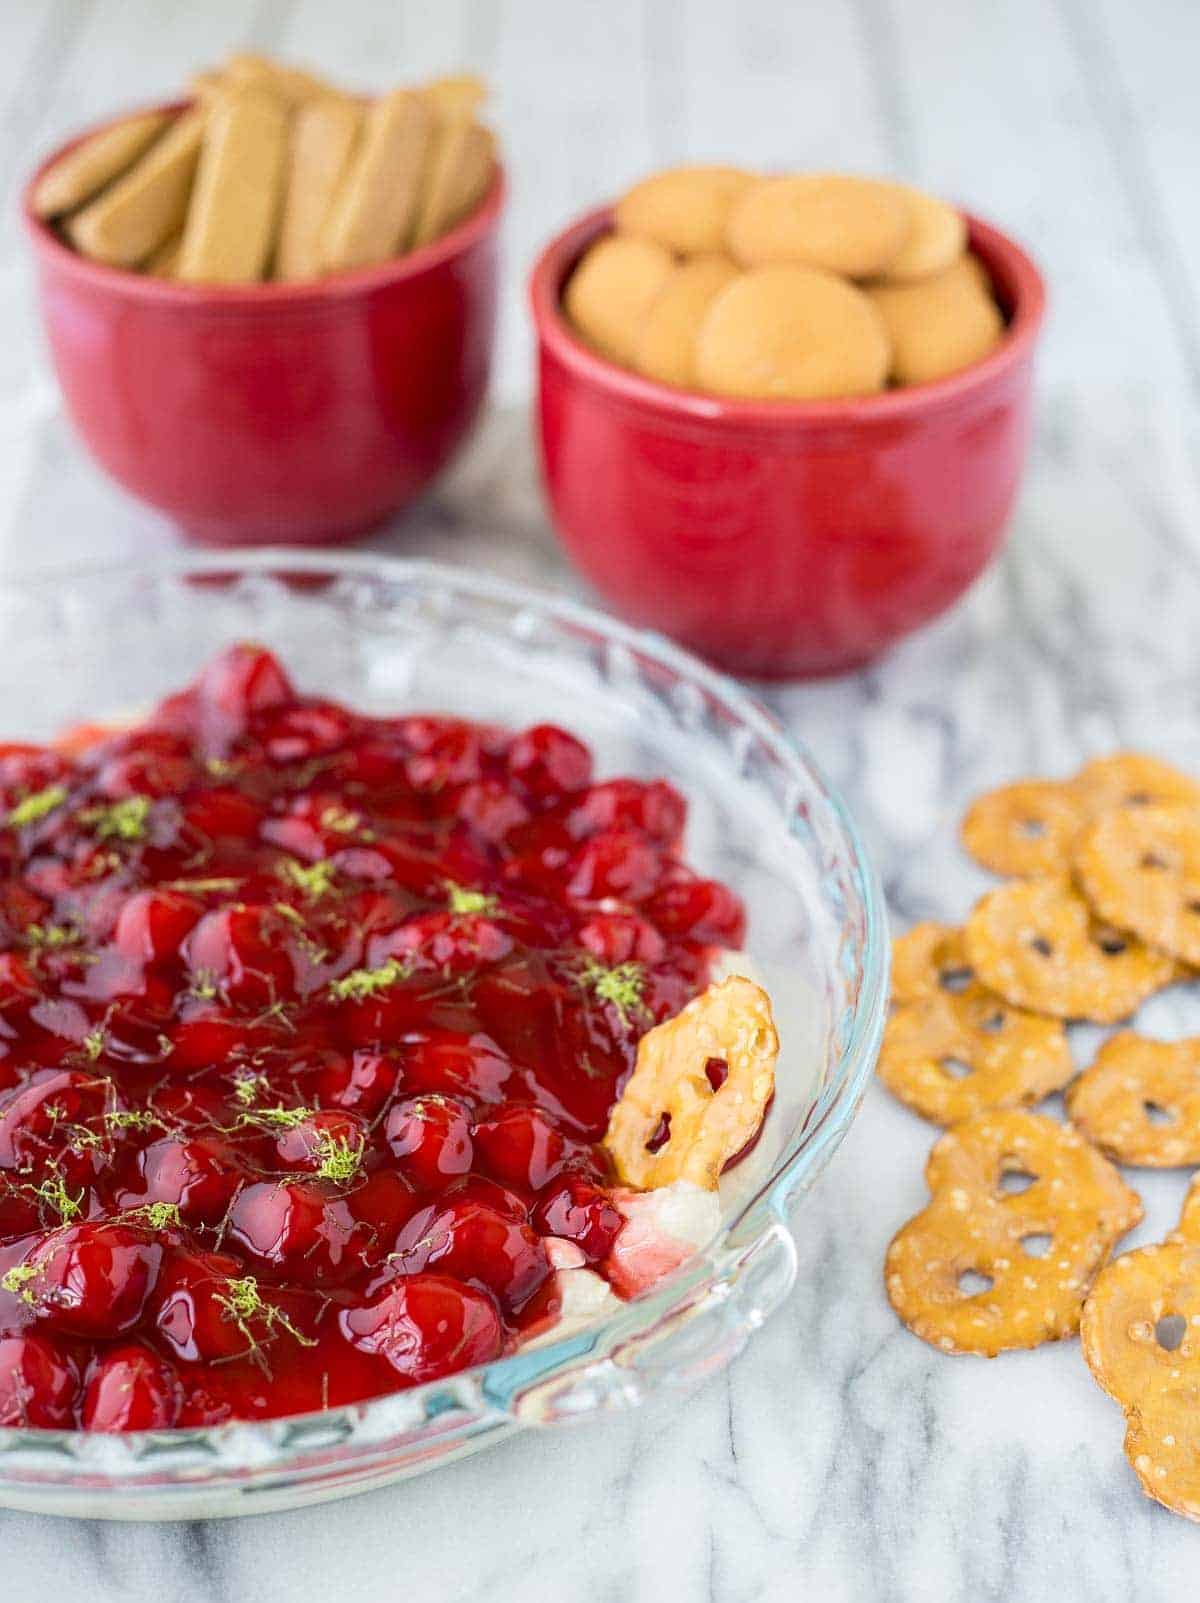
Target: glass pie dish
392, 636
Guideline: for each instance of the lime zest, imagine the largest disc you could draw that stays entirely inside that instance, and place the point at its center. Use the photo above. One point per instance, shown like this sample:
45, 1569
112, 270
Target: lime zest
290, 914
16, 1280
154, 1215
33, 808
276, 1118
242, 1301
221, 767
622, 987
362, 983
53, 1193
315, 879
132, 1119
338, 1157
226, 882
340, 820
465, 902
248, 1087
123, 820
50, 937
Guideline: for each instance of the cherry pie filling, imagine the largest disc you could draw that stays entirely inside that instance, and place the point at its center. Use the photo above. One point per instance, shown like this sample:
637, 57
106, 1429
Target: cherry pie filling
310, 1027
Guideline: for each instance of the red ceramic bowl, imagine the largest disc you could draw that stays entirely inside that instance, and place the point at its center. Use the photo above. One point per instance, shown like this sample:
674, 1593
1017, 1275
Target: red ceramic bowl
275, 412
782, 538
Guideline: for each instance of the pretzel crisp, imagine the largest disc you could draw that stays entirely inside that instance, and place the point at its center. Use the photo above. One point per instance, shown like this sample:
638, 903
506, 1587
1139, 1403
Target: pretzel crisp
699, 1090
1031, 827
953, 1048
1139, 1102
1024, 829
1131, 779
1141, 1338
1036, 942
1140, 869
966, 1274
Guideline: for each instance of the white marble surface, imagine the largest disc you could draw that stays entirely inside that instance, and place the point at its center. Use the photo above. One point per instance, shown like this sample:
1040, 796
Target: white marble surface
839, 1459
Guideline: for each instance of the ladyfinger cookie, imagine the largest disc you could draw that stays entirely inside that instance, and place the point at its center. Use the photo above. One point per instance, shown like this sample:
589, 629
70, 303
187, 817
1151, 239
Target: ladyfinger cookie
374, 215
231, 222
141, 210
324, 133
84, 171
463, 157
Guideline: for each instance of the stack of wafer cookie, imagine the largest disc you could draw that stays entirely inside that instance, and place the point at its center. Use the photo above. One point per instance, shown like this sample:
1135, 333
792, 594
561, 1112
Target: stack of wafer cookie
809, 287
273, 173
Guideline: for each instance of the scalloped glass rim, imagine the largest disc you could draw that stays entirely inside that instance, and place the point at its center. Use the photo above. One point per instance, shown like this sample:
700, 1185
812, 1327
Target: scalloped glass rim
685, 1328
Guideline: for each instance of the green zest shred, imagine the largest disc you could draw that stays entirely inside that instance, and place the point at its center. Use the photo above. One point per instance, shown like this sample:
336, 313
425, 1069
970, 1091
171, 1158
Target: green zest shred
124, 820
16, 1280
54, 1194
154, 1215
242, 1301
464, 902
623, 987
315, 880
362, 983
36, 807
338, 1158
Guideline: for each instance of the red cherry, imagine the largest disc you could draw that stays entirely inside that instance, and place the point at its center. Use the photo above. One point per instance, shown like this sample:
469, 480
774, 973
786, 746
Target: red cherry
616, 938
520, 1146
325, 1137
93, 1278
578, 1211
471, 1066
131, 1388
199, 1176
657, 809
426, 1326
38, 1383
297, 1230
298, 734
453, 944
36, 1115
699, 910
616, 863
243, 680
491, 809
221, 813
190, 1307
240, 952
149, 773
362, 1083
153, 924
445, 752
470, 1241
548, 763
430, 1138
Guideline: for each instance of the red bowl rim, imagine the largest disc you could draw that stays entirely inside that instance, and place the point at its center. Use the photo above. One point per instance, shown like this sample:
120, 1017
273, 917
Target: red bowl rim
1018, 278
248, 297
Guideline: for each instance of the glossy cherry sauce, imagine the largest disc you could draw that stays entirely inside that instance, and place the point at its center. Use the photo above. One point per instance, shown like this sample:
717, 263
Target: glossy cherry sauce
310, 1023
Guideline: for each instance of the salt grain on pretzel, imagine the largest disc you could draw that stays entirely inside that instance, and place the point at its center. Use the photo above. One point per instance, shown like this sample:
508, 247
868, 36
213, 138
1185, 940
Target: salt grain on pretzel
955, 1048
987, 1267
1140, 1101
1037, 943
1141, 1338
699, 1091
1140, 869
